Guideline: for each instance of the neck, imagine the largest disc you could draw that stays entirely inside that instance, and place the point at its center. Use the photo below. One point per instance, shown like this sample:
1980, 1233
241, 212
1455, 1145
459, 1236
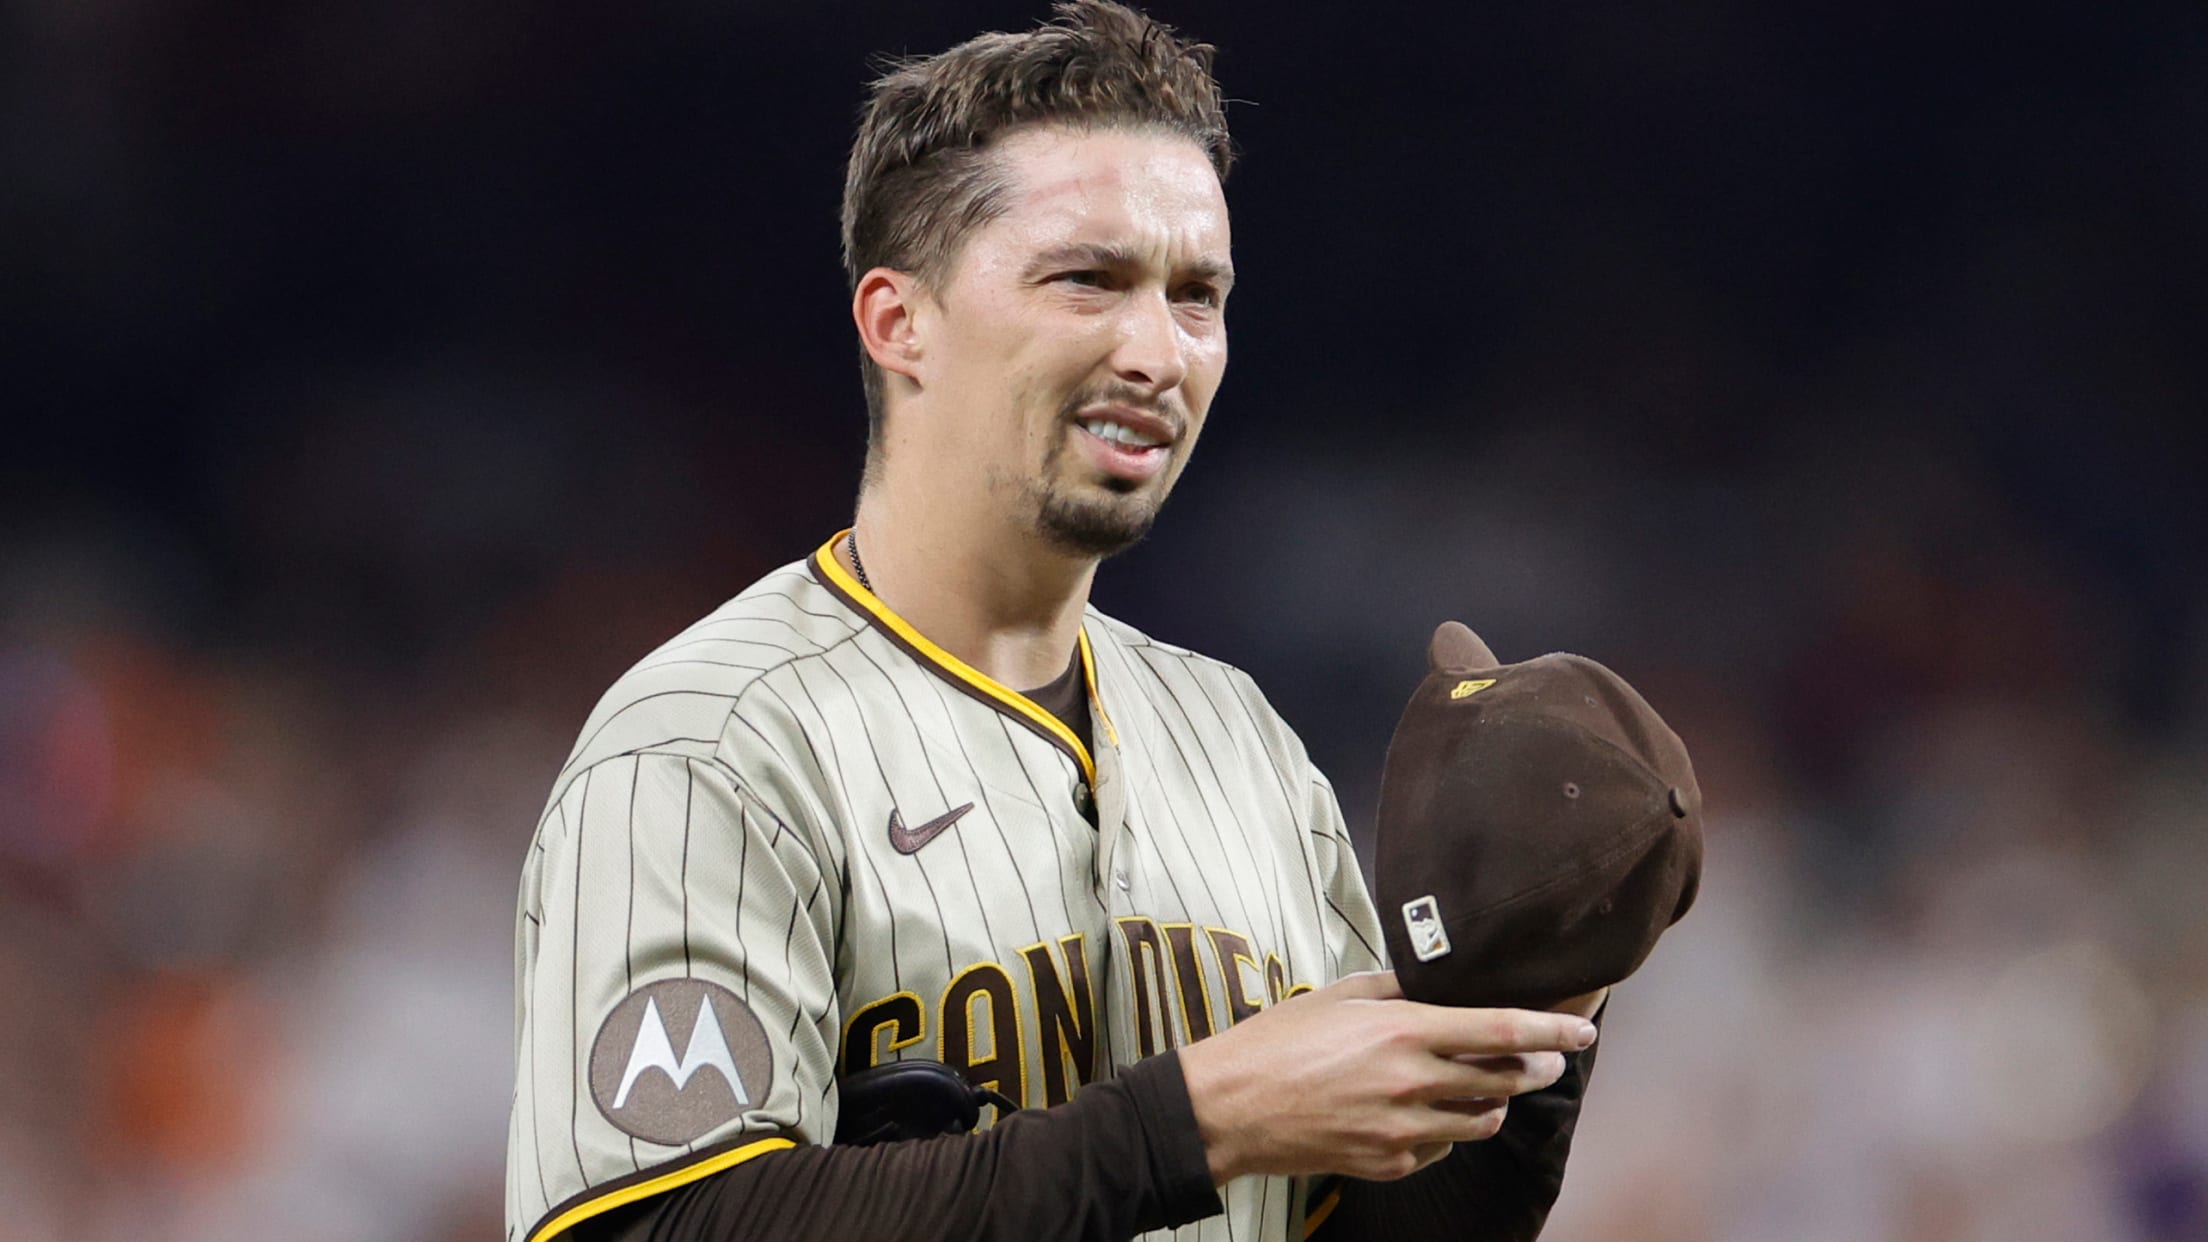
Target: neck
999, 598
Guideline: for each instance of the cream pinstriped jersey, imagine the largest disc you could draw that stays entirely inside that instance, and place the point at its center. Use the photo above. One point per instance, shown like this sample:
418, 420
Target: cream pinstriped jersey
798, 840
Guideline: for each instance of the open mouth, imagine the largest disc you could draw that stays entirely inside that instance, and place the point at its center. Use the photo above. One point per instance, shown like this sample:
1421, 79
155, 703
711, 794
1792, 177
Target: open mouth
1122, 450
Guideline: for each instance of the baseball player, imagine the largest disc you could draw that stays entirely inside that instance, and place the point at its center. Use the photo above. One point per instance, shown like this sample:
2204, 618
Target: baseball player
911, 800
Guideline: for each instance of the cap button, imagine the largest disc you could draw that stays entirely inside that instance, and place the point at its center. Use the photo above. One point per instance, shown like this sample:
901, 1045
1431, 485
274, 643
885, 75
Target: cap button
1678, 803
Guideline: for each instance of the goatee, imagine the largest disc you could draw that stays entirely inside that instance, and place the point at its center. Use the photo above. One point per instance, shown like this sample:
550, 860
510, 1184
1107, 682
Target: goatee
1097, 527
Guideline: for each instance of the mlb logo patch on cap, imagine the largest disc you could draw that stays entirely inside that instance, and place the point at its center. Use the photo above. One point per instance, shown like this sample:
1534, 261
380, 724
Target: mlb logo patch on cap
1422, 918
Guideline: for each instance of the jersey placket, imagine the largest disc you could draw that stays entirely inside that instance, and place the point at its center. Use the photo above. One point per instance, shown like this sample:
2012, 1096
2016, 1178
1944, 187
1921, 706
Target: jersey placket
1111, 879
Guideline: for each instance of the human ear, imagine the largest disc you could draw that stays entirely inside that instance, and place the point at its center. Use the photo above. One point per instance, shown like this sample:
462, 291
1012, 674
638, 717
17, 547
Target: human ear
883, 306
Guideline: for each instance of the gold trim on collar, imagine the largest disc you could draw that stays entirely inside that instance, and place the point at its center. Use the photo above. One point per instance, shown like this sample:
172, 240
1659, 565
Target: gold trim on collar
1027, 709
1088, 670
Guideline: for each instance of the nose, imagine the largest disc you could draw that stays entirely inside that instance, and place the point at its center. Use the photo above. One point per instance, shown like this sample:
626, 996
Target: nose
1151, 353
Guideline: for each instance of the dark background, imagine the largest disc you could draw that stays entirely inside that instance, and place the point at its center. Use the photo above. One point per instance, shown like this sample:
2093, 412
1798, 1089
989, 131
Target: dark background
382, 378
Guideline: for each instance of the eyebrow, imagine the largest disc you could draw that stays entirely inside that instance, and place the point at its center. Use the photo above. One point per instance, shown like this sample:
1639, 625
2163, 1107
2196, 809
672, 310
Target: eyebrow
1109, 255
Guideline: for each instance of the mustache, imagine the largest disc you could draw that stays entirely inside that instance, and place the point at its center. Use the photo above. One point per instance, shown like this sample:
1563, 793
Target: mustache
1130, 396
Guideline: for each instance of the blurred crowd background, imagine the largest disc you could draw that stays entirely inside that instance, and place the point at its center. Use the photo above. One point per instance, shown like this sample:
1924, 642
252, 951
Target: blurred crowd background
383, 376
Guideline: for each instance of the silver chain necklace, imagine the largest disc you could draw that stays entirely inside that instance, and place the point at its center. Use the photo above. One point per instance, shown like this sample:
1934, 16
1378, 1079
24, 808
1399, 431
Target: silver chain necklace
858, 564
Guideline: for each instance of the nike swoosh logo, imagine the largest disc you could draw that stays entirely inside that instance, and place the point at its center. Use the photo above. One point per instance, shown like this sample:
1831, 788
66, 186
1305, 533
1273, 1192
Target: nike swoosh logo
909, 840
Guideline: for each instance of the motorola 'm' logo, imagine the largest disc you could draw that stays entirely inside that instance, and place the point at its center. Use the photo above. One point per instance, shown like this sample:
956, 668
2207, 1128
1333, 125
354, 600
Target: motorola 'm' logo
648, 1089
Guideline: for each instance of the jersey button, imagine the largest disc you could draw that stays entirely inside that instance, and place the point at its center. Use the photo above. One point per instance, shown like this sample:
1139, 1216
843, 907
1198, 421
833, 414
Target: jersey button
1083, 799
1120, 878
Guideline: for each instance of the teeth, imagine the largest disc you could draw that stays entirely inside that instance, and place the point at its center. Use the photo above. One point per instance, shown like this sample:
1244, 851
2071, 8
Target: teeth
1119, 433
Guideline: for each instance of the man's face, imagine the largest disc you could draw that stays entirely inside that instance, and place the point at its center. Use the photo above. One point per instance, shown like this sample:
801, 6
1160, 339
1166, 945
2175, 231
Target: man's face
1078, 338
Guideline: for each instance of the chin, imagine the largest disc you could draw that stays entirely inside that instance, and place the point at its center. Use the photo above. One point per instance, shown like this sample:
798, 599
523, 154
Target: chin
1098, 526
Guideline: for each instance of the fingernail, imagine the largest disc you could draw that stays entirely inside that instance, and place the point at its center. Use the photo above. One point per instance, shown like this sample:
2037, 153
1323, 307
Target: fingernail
1583, 1035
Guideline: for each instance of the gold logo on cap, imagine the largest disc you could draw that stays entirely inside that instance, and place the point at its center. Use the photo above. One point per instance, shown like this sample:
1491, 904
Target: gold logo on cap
1466, 689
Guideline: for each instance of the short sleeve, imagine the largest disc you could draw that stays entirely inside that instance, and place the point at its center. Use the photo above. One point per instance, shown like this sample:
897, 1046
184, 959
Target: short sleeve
677, 1005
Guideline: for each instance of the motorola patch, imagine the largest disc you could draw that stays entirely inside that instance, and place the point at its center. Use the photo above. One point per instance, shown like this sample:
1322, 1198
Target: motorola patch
1422, 919
646, 1088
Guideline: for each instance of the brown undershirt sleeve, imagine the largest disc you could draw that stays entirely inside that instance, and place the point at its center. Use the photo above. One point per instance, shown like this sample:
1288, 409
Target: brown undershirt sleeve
1120, 1158
1499, 1190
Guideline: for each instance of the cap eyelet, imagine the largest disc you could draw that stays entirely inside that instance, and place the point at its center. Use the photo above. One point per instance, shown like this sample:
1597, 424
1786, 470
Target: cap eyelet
1571, 789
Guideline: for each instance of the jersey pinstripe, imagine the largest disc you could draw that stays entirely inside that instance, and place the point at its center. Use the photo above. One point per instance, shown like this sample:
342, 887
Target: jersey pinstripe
717, 916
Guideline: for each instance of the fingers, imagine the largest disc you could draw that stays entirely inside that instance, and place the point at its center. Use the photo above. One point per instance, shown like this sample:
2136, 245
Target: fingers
1352, 1078
1481, 1119
1428, 1153
1466, 1078
1460, 1121
1438, 1129
1496, 1032
1398, 1164
1495, 1109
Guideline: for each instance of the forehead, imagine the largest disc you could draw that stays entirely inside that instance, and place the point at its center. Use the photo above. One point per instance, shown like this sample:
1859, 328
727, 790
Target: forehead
1151, 188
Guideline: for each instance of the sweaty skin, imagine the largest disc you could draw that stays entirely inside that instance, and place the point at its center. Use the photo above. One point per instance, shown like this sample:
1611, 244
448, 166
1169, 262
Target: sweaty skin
1100, 290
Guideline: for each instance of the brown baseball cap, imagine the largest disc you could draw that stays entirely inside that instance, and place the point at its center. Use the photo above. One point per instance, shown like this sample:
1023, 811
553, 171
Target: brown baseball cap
1539, 828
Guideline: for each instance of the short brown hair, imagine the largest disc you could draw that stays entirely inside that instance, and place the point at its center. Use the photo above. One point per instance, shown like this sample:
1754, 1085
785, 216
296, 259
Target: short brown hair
920, 176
